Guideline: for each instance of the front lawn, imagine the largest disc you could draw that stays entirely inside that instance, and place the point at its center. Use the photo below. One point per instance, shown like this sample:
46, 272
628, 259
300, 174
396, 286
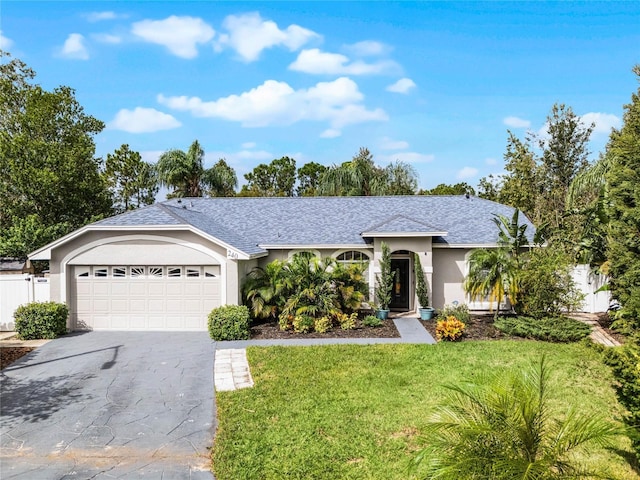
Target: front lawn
357, 411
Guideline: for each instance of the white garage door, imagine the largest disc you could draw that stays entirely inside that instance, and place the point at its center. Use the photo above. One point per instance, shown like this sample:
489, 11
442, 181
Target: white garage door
145, 297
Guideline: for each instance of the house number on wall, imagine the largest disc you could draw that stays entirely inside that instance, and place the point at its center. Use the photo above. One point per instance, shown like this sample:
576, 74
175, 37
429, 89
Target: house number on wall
232, 254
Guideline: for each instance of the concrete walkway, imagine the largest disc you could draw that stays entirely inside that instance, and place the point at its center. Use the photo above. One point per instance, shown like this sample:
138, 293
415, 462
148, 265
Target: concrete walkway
598, 334
409, 329
231, 368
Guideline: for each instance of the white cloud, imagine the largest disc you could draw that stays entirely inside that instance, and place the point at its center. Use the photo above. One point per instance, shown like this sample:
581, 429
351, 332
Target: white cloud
330, 133
491, 161
604, 122
322, 63
401, 86
143, 120
249, 35
106, 38
367, 48
277, 103
389, 144
466, 173
515, 122
180, 35
248, 145
151, 156
75, 48
99, 16
5, 42
408, 157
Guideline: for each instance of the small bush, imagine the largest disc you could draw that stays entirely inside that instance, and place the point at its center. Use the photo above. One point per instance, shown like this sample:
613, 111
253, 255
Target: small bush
460, 311
303, 324
372, 321
450, 329
229, 322
285, 321
322, 324
41, 320
346, 321
551, 329
625, 363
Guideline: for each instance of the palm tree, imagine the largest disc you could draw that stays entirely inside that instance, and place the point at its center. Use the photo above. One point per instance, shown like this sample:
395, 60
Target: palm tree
512, 234
185, 173
508, 430
493, 273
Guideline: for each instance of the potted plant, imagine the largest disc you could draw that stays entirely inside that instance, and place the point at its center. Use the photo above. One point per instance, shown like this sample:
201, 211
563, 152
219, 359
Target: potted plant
422, 291
384, 284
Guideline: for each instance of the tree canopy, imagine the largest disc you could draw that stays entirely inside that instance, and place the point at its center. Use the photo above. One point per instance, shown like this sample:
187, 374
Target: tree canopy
132, 181
50, 182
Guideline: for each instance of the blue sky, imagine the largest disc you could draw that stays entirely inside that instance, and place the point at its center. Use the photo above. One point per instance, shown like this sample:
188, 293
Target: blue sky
436, 84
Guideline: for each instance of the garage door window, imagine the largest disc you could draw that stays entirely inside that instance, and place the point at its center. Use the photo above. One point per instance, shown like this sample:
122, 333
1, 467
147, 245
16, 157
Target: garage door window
174, 272
100, 272
119, 272
211, 271
193, 272
137, 272
155, 272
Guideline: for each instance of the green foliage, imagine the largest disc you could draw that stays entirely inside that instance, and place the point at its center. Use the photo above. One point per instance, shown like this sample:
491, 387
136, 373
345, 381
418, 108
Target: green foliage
346, 321
546, 285
507, 428
450, 329
276, 179
41, 320
309, 178
362, 177
47, 168
304, 286
460, 311
493, 274
422, 291
550, 329
444, 189
132, 181
384, 280
229, 322
623, 178
625, 363
303, 324
372, 321
322, 324
489, 188
521, 185
184, 172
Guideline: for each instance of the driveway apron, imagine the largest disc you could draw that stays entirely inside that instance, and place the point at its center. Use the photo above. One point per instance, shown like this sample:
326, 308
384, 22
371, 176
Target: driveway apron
110, 405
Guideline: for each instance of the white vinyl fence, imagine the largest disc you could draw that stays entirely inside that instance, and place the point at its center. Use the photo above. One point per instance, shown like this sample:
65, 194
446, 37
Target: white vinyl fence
589, 283
16, 290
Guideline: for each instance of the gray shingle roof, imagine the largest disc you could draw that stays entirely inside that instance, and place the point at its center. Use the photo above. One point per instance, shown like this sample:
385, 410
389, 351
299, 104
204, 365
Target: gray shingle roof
250, 223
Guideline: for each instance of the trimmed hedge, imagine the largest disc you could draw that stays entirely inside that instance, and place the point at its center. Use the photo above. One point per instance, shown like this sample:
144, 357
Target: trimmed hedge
550, 329
229, 322
38, 320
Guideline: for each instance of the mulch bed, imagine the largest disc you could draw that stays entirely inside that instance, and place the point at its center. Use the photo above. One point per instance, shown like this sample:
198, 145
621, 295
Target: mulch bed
8, 355
271, 330
480, 327
605, 321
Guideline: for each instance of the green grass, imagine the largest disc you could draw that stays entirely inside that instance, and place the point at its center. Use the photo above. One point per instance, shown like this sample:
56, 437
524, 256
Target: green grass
356, 412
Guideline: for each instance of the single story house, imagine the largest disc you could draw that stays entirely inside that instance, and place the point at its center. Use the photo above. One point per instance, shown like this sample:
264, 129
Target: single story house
165, 266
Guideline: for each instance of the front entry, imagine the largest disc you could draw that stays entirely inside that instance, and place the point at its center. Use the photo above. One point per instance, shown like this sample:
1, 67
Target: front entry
400, 292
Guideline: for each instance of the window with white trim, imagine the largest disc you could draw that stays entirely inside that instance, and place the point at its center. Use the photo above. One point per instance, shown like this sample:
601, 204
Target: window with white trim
193, 272
118, 272
155, 272
137, 272
100, 272
174, 272
352, 256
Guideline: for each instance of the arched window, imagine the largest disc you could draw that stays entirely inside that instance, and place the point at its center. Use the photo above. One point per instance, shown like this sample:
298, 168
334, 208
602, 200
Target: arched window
351, 256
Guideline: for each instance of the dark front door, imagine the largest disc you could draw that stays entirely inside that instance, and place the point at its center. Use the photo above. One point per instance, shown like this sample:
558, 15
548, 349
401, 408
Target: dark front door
400, 291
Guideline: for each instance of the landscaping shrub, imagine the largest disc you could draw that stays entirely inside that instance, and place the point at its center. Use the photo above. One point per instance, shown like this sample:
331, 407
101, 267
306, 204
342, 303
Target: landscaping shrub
450, 329
460, 311
625, 363
41, 320
322, 324
303, 324
229, 322
371, 321
346, 321
551, 329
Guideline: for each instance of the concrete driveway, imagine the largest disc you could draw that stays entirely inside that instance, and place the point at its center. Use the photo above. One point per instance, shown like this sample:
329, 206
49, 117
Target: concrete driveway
110, 405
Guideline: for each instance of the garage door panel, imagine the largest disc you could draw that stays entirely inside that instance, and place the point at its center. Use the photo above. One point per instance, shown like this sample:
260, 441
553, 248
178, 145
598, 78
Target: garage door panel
141, 298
